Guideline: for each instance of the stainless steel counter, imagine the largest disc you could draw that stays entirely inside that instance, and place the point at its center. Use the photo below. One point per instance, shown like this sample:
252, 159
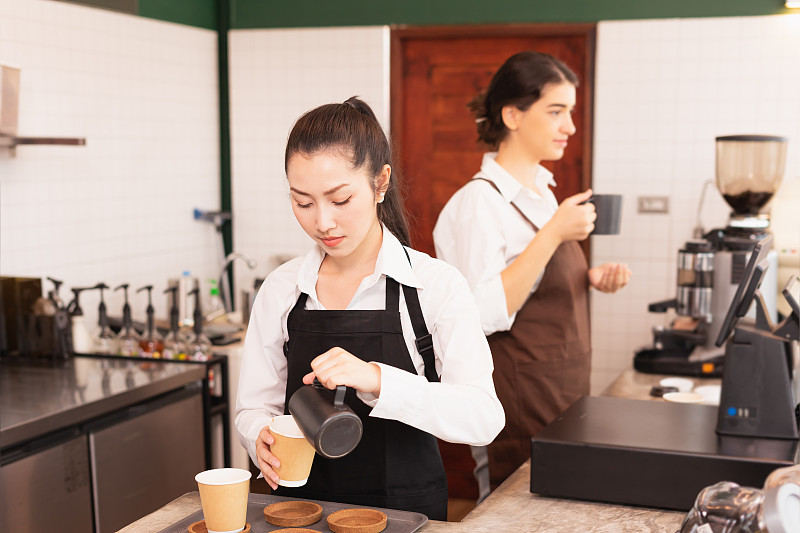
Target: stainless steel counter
38, 397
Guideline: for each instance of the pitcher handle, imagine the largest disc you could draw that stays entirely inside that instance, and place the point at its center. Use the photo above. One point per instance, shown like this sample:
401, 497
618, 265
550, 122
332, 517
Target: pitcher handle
338, 399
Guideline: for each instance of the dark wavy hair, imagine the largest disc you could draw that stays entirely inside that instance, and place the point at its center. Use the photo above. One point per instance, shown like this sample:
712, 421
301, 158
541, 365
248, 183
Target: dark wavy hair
519, 82
353, 128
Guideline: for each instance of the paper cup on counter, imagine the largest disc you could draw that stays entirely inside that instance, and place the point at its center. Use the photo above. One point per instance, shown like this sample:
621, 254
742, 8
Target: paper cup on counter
293, 451
223, 495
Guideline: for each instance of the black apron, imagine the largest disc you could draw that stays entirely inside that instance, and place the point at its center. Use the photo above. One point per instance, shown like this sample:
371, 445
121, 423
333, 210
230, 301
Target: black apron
395, 465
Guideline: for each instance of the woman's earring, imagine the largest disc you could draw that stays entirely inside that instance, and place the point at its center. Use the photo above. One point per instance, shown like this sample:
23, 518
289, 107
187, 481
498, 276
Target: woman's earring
380, 197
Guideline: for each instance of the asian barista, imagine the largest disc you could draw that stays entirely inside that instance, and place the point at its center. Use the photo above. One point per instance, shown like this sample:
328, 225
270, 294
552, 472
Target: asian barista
518, 249
347, 313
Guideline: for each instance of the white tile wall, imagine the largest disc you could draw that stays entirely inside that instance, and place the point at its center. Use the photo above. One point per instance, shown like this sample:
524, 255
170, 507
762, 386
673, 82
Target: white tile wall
276, 76
664, 90
144, 95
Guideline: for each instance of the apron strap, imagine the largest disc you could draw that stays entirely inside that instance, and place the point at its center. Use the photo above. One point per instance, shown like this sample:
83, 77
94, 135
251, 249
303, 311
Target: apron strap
424, 340
392, 294
299, 305
515, 206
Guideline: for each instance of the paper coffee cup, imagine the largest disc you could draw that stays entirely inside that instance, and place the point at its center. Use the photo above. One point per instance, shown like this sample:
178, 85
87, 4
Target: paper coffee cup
293, 451
223, 495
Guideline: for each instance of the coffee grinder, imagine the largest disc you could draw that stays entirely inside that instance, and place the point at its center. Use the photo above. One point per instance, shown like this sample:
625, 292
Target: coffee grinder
749, 170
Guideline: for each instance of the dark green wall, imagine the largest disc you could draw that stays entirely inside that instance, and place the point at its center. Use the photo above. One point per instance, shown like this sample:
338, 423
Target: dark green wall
200, 13
309, 13
302, 13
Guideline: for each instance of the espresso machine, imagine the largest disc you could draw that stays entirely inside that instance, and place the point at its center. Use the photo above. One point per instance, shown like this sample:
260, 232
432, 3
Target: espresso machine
749, 170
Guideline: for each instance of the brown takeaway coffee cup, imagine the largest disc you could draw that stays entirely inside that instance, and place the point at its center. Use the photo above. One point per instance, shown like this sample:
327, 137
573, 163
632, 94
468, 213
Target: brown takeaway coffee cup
293, 451
223, 495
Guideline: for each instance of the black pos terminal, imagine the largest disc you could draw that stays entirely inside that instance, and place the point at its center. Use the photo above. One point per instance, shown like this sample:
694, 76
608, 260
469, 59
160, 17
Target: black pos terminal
661, 454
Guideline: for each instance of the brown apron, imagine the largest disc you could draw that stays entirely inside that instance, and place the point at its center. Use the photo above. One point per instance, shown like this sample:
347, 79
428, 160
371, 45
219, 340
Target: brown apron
542, 364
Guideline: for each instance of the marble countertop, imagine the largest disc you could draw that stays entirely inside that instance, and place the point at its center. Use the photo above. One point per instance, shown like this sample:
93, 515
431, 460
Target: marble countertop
39, 396
512, 508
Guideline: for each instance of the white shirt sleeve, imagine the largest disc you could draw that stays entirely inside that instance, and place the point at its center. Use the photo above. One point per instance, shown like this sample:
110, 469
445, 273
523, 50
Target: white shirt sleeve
262, 382
469, 237
463, 407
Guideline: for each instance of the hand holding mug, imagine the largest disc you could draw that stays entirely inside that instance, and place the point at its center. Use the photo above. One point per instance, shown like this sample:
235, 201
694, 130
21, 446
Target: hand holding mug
574, 219
339, 367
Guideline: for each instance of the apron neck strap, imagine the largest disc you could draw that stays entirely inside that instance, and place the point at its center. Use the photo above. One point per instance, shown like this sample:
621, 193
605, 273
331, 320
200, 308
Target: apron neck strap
515, 206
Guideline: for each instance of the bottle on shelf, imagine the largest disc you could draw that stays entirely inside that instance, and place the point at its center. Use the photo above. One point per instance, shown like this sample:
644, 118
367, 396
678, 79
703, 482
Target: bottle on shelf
199, 347
81, 339
174, 344
104, 341
216, 307
186, 283
150, 344
128, 338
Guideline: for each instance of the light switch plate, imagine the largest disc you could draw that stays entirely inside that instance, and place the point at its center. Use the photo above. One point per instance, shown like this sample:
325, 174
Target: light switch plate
653, 204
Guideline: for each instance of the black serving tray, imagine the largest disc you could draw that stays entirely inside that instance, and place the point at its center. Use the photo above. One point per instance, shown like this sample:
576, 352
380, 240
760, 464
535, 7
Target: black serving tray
398, 521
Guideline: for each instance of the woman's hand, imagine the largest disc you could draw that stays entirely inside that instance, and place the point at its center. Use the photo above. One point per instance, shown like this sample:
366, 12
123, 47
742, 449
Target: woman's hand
609, 277
266, 461
574, 220
340, 367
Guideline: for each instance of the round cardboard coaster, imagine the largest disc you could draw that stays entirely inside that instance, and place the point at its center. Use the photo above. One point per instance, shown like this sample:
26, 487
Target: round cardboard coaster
293, 513
357, 521
200, 527
294, 530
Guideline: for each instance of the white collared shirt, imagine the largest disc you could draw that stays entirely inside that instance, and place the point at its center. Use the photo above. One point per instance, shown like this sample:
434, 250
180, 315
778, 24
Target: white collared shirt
462, 408
480, 233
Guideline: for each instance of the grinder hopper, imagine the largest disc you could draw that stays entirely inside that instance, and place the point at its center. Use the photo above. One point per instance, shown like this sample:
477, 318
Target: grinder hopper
749, 172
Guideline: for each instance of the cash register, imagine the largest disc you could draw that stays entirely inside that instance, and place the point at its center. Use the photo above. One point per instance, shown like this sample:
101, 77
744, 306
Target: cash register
661, 454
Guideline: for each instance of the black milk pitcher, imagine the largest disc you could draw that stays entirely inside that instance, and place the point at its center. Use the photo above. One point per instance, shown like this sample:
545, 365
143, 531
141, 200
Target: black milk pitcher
326, 421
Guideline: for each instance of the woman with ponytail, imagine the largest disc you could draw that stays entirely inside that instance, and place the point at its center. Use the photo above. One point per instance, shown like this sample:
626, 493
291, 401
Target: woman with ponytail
518, 248
397, 327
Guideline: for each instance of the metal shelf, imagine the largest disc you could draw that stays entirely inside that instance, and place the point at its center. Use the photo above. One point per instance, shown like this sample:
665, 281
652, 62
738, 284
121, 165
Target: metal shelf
12, 141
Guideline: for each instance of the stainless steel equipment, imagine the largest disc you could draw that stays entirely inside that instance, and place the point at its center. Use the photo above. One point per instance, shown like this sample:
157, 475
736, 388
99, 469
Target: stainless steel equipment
145, 457
749, 171
47, 488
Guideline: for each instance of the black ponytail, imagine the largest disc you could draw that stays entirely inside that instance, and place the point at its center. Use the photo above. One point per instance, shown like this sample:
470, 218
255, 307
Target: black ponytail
353, 128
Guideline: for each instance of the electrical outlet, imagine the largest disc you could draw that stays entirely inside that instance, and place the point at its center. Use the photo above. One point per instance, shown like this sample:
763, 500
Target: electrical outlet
653, 204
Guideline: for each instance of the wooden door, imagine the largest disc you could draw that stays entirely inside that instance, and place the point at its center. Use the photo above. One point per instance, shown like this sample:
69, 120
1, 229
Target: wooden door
435, 72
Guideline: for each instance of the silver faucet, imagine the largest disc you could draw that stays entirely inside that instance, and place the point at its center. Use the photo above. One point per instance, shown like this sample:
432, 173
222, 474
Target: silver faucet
224, 285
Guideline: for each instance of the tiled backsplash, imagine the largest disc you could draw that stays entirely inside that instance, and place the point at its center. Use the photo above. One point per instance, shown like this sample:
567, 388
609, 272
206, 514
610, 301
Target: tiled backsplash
664, 90
276, 76
144, 95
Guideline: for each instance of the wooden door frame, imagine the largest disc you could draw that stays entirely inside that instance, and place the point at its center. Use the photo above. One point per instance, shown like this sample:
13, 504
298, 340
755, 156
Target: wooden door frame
401, 34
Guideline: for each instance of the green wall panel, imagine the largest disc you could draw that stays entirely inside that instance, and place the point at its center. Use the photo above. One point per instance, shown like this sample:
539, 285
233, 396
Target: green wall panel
307, 13
200, 13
